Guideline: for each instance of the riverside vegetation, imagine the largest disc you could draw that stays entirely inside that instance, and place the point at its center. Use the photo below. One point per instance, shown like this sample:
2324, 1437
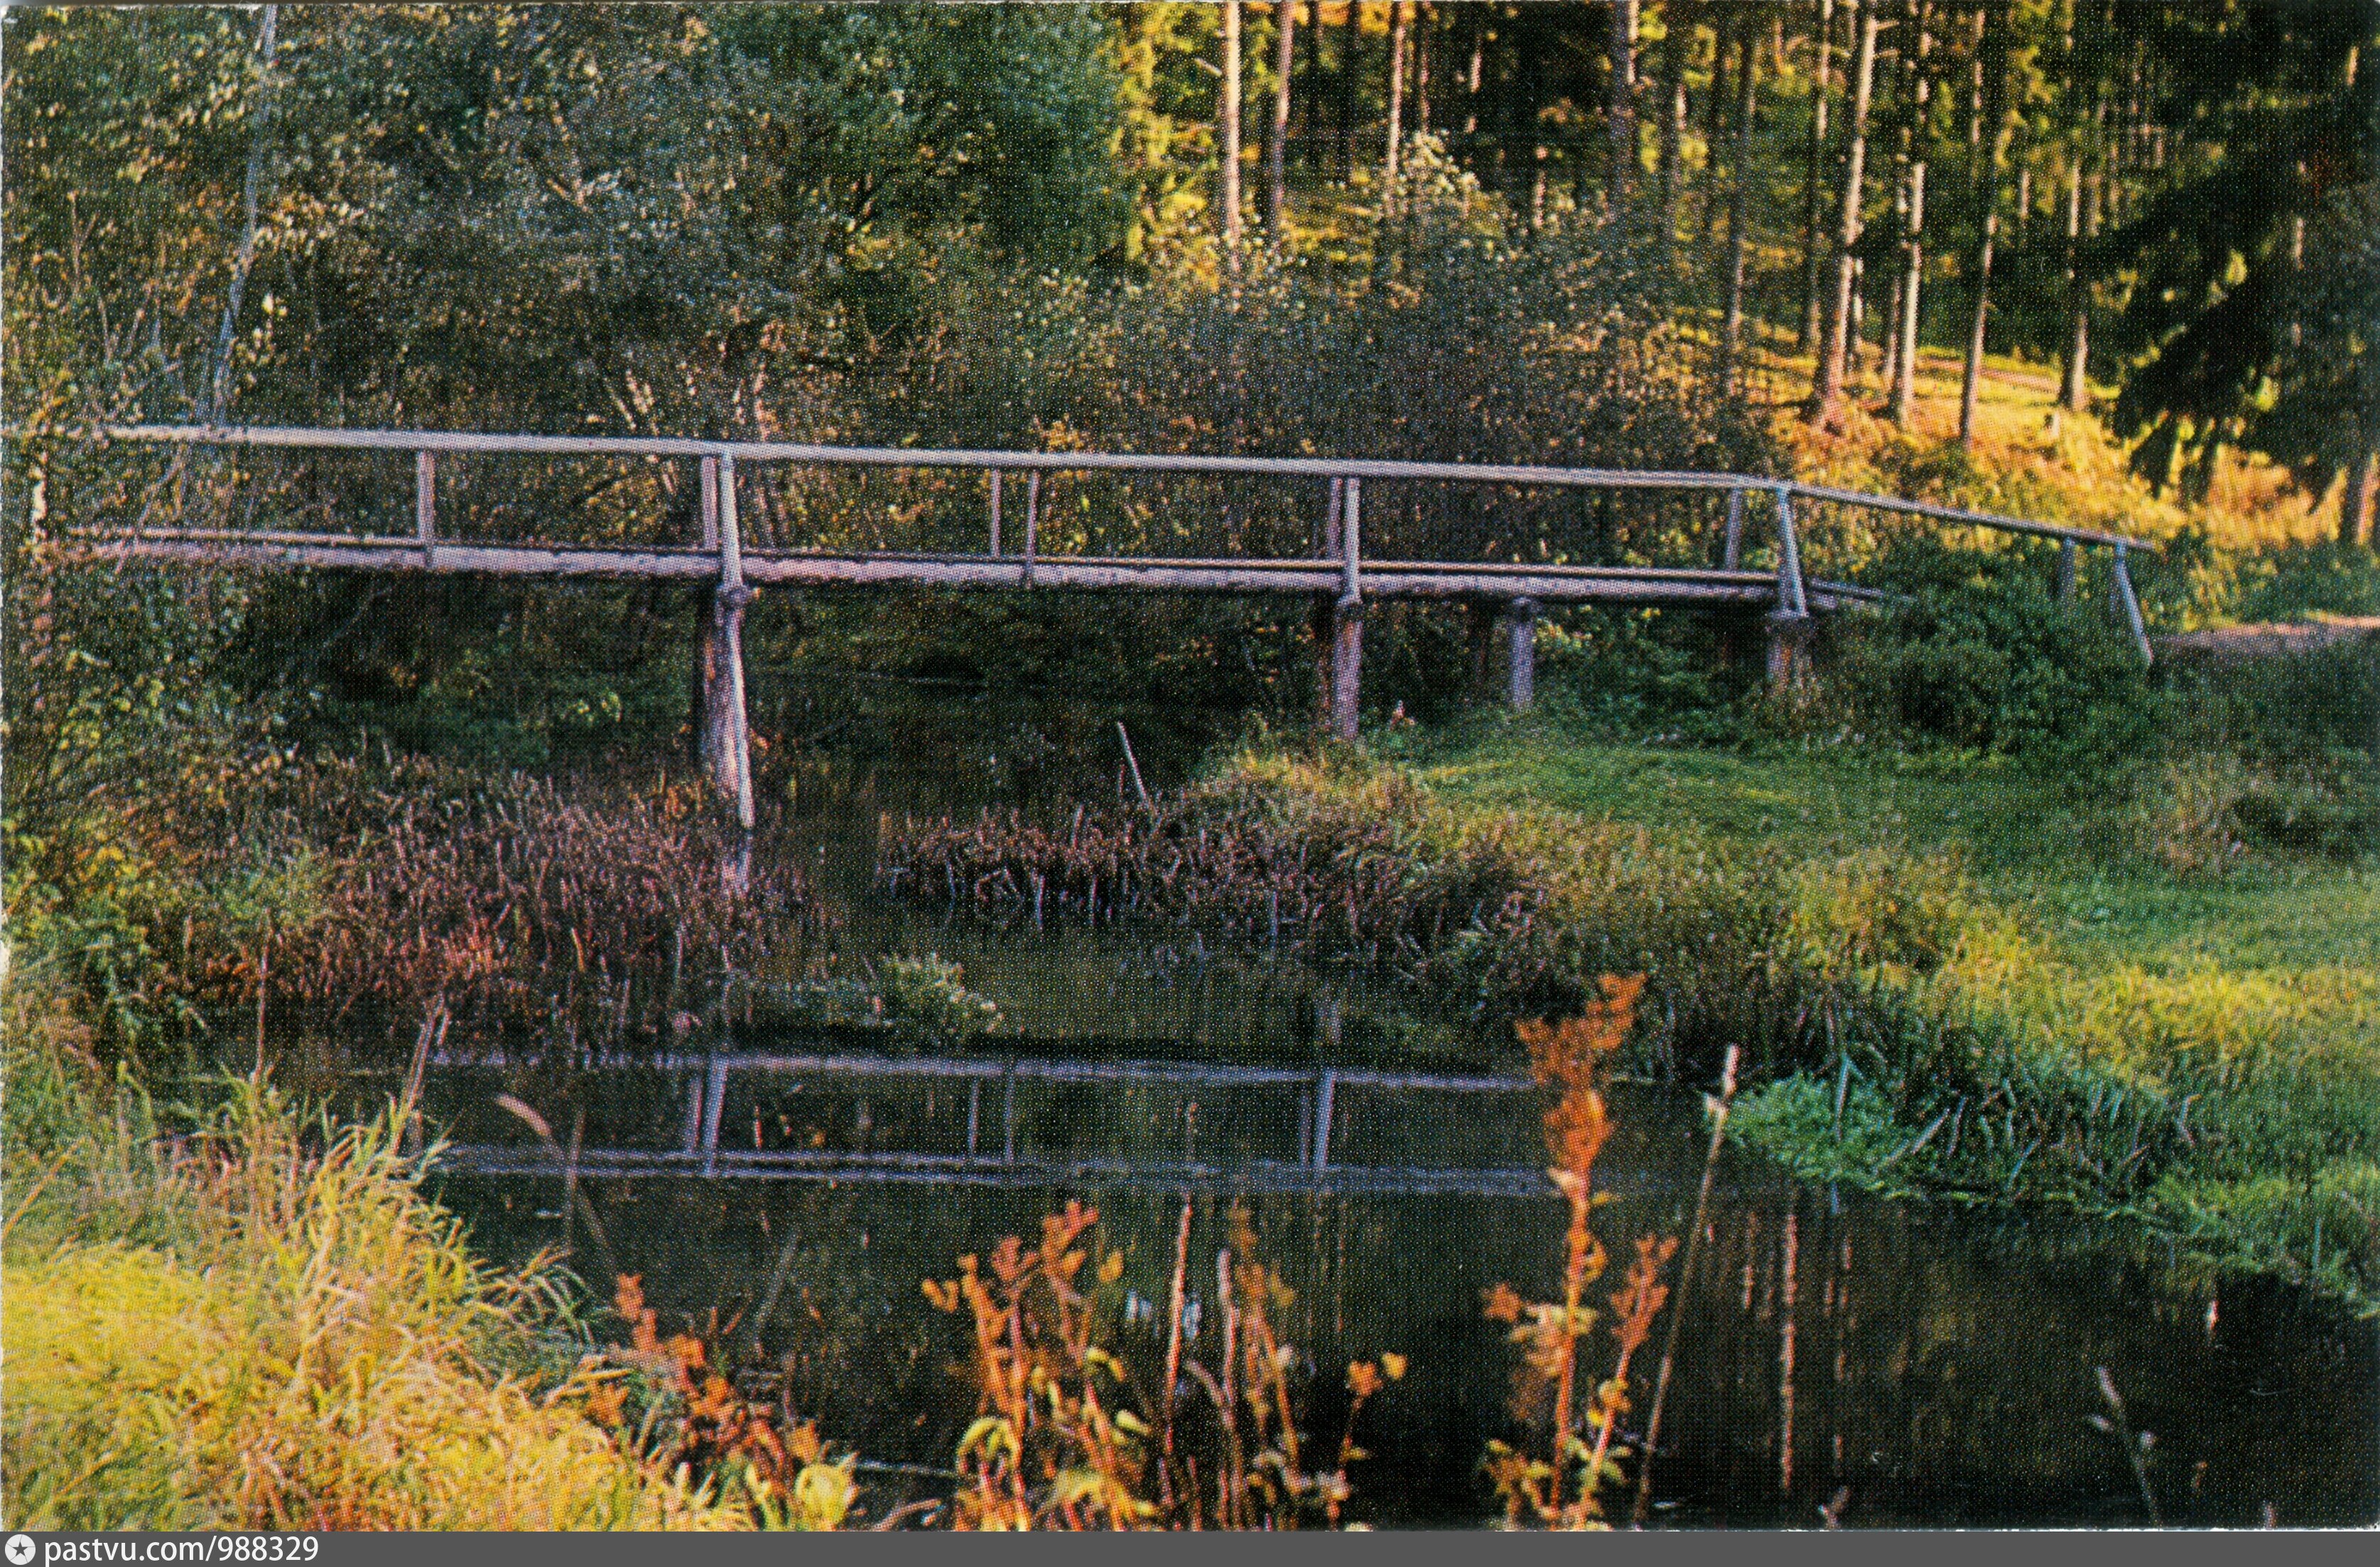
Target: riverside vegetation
1995, 915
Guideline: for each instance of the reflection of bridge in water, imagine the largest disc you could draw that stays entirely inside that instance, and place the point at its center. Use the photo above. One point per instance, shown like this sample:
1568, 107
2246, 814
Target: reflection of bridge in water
982, 1138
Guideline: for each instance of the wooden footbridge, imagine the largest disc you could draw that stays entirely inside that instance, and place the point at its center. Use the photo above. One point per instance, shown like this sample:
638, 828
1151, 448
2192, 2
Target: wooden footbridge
1339, 575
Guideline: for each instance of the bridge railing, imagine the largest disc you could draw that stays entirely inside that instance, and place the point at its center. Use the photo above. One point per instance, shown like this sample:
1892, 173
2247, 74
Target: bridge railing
1013, 521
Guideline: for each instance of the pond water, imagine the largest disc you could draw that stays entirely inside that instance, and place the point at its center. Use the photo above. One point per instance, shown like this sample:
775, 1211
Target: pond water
1923, 1365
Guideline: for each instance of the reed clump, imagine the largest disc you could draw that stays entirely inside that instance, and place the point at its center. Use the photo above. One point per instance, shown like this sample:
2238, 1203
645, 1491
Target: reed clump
1494, 914
1077, 1424
513, 904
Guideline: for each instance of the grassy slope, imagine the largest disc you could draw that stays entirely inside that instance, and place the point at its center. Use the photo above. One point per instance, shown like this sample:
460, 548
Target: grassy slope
2070, 868
262, 1334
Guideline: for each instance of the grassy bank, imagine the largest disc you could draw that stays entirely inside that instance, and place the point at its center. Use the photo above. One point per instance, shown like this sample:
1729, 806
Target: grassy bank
2108, 1025
1954, 975
260, 1324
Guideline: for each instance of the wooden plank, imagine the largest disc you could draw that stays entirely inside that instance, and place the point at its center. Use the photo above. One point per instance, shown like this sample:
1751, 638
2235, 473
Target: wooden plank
1460, 580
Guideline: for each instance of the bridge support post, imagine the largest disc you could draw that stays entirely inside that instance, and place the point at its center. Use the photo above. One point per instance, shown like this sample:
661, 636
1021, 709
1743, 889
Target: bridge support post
1346, 669
727, 729
1347, 615
1789, 625
1523, 681
1789, 655
2066, 554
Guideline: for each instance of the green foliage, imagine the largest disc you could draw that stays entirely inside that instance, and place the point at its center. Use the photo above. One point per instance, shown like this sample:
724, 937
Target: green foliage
1976, 652
917, 1001
2295, 580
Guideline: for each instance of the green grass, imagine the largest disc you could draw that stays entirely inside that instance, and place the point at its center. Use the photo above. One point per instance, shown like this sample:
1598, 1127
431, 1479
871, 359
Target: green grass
2064, 858
2111, 1026
271, 1328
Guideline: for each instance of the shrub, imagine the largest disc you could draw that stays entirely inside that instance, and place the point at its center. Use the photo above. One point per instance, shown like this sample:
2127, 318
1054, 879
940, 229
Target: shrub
1977, 651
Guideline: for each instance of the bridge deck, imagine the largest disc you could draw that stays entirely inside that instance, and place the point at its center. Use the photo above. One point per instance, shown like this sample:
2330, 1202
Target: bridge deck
1376, 578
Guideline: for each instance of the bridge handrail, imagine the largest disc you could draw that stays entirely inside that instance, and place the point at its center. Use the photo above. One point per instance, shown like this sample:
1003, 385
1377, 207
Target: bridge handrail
419, 441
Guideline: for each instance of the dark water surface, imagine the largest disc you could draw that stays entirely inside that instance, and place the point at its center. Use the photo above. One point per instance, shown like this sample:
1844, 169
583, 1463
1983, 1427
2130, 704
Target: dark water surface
1931, 1365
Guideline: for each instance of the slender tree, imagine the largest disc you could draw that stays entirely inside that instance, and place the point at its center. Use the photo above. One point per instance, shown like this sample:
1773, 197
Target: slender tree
1738, 191
1400, 28
1834, 354
1677, 21
1284, 44
1619, 116
1227, 115
1913, 254
1813, 183
1989, 132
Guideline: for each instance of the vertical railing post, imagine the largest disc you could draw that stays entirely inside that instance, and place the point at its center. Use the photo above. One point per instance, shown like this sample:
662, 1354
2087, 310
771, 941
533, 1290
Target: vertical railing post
732, 597
975, 1113
1523, 673
1008, 1116
1032, 523
709, 468
425, 506
2130, 604
996, 477
1347, 617
1789, 623
697, 1096
1325, 1089
1732, 553
2066, 554
714, 1106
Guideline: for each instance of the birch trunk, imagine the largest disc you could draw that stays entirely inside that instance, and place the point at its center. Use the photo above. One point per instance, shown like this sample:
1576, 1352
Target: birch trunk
1834, 357
1277, 141
1227, 115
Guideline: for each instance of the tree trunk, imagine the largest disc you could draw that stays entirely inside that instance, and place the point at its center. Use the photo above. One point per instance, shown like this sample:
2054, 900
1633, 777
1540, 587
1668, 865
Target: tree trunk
2355, 506
1277, 141
1912, 256
1739, 188
1471, 77
1678, 20
1986, 186
1421, 78
1619, 116
1400, 28
1827, 393
2069, 379
1346, 75
1310, 127
1813, 184
1227, 115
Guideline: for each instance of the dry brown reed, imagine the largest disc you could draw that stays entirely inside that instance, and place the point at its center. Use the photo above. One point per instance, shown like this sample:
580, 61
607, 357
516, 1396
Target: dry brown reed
512, 903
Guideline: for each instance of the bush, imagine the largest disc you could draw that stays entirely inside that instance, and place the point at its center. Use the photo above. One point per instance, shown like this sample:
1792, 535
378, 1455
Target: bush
1979, 652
